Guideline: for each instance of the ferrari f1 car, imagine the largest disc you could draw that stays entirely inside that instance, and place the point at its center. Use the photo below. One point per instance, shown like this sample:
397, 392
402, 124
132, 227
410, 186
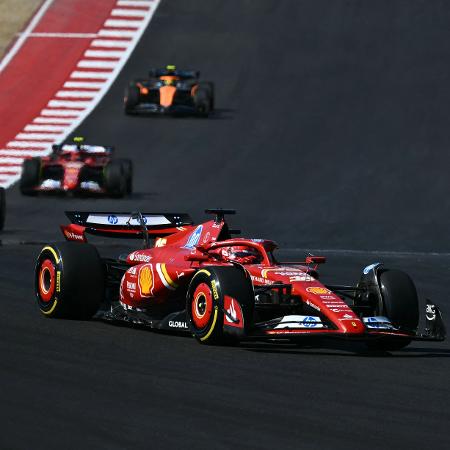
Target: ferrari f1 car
79, 168
170, 91
199, 280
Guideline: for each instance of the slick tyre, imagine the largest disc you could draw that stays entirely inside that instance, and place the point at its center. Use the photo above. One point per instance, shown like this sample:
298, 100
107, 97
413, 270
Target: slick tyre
208, 292
69, 280
2, 208
400, 306
203, 99
131, 98
127, 168
31, 170
115, 179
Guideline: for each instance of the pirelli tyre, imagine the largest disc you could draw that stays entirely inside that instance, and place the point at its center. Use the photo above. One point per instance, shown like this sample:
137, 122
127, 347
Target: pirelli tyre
204, 98
127, 168
220, 304
400, 305
69, 280
2, 208
30, 178
131, 98
115, 181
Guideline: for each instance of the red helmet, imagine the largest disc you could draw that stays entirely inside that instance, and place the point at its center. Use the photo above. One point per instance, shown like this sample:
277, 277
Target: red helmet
241, 254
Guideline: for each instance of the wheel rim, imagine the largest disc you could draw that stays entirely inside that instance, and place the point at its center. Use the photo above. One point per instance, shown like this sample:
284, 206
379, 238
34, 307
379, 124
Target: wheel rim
46, 282
202, 306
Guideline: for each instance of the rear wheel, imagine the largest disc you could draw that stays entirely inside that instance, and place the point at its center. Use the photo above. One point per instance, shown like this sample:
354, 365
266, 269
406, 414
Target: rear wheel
69, 280
2, 207
400, 306
219, 305
127, 167
30, 177
131, 98
114, 179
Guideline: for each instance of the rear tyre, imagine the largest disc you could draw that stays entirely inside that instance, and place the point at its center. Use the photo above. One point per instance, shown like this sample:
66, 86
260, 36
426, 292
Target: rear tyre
205, 302
29, 180
69, 280
400, 306
127, 167
114, 179
2, 208
131, 98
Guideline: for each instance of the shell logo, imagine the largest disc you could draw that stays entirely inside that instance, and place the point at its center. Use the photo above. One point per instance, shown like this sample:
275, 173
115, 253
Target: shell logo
146, 281
318, 290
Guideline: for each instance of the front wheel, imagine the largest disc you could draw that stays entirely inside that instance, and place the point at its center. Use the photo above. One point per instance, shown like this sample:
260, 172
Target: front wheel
69, 280
219, 304
131, 98
400, 305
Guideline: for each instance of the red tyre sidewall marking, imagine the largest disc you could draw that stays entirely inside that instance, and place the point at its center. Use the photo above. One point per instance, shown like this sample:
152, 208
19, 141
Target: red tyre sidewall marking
47, 269
202, 294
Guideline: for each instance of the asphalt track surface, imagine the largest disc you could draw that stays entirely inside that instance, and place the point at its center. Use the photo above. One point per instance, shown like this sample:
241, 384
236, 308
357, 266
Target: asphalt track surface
331, 133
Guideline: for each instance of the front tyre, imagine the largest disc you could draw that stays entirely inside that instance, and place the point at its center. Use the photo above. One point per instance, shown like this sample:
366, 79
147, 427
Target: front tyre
115, 179
69, 280
219, 304
400, 306
131, 98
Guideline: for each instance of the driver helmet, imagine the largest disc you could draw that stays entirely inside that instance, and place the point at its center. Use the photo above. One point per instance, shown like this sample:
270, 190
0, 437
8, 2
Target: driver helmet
241, 254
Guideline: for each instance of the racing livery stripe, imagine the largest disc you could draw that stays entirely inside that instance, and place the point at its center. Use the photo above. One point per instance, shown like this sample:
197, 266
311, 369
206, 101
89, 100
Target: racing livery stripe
164, 276
86, 54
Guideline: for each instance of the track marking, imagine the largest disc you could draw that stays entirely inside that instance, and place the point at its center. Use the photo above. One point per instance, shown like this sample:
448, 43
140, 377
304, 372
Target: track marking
61, 112
134, 3
96, 64
23, 153
75, 94
103, 54
68, 103
110, 43
91, 75
16, 47
128, 12
52, 120
82, 84
29, 144
64, 35
37, 136
116, 33
114, 23
54, 128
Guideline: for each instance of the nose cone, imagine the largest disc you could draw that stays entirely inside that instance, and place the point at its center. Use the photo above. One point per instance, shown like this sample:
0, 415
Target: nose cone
166, 94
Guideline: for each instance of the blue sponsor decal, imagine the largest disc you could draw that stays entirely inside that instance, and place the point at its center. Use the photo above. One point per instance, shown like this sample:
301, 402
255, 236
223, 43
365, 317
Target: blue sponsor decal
112, 219
309, 322
372, 322
194, 238
367, 269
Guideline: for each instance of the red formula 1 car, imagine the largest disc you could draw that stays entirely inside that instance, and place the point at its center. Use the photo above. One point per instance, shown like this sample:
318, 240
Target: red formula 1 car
78, 168
200, 280
170, 91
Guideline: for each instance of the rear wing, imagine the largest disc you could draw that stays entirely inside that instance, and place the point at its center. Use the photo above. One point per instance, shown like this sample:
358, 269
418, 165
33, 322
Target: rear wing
123, 225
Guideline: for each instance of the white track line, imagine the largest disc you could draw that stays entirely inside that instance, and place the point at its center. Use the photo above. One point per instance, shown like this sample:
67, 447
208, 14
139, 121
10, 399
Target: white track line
18, 44
9, 169
103, 54
54, 128
83, 84
23, 152
134, 3
96, 64
61, 112
53, 120
110, 43
27, 145
128, 12
68, 104
116, 33
37, 136
91, 75
113, 23
10, 160
64, 35
75, 94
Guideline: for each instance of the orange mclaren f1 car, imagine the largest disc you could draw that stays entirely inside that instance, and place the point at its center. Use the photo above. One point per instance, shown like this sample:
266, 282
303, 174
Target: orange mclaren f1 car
170, 91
